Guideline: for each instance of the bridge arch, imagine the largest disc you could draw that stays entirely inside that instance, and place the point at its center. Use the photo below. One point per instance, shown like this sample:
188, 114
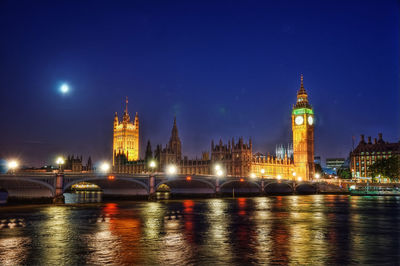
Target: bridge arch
306, 188
22, 187
278, 188
192, 186
245, 186
118, 186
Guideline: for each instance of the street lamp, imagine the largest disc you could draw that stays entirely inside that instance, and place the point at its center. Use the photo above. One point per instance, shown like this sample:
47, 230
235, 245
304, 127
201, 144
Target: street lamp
279, 177
105, 167
220, 173
152, 164
171, 169
317, 176
12, 165
218, 170
60, 161
299, 179
253, 175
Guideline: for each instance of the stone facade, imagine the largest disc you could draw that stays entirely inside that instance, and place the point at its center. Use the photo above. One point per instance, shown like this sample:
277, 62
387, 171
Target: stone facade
126, 136
236, 158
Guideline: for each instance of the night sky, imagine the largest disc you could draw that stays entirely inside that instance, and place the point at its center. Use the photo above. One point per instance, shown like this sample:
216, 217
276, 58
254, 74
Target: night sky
224, 68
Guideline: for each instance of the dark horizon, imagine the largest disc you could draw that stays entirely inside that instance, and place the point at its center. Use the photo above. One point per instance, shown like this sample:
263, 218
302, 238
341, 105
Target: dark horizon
223, 69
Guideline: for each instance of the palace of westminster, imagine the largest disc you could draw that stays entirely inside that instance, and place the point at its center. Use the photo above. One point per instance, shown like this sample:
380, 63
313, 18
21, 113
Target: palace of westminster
236, 157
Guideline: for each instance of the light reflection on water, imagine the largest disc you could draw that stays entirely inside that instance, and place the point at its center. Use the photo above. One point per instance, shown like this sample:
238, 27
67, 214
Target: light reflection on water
311, 230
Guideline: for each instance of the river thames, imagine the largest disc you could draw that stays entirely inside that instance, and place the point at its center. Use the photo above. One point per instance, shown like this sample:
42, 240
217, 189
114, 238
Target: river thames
313, 230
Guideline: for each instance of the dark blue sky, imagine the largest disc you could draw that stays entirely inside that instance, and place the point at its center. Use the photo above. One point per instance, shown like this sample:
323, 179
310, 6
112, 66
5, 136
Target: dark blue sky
224, 68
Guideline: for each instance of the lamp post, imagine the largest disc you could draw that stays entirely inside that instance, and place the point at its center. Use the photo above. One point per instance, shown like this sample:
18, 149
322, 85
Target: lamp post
59, 198
262, 171
152, 180
219, 173
60, 161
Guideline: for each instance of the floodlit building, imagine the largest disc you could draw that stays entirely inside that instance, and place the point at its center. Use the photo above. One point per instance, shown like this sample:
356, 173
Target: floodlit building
234, 158
367, 153
126, 136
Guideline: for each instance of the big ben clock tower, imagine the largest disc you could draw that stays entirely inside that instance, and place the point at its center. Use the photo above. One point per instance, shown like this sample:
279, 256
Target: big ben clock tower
303, 135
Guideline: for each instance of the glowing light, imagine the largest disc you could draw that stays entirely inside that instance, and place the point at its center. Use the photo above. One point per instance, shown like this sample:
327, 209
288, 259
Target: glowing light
105, 167
303, 111
279, 177
317, 176
111, 177
188, 178
171, 169
64, 88
299, 179
12, 164
262, 171
294, 173
220, 173
241, 180
152, 164
60, 160
253, 175
217, 167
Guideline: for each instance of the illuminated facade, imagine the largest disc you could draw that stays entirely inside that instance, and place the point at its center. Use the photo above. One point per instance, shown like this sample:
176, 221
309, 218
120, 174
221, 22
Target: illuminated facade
236, 158
303, 135
367, 153
126, 136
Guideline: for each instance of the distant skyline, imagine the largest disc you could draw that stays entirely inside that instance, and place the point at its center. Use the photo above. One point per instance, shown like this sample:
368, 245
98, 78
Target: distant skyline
224, 69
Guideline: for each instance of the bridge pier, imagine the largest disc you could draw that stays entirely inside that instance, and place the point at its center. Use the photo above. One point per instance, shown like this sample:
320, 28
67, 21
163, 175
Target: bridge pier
262, 187
217, 188
59, 197
152, 187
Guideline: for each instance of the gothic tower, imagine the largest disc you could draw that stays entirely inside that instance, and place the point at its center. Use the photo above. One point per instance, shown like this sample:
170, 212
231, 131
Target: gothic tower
126, 136
303, 135
175, 143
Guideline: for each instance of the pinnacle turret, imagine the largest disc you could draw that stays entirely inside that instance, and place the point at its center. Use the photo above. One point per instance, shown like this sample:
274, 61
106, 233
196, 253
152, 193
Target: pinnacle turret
174, 133
302, 97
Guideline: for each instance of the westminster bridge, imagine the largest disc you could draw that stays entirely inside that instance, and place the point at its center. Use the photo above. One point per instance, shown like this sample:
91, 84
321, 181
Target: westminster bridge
53, 185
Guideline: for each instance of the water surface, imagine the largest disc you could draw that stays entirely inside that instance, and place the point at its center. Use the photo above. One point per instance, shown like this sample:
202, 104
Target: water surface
313, 230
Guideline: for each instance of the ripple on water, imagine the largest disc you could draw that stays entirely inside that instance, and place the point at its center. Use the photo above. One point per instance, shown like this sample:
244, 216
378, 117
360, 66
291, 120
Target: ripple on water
316, 229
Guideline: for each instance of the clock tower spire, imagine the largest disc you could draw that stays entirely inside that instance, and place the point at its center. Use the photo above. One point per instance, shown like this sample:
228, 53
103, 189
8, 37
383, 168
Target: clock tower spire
303, 135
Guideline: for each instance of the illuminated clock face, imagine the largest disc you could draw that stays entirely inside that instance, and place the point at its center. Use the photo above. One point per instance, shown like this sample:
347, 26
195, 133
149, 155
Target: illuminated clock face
299, 120
310, 120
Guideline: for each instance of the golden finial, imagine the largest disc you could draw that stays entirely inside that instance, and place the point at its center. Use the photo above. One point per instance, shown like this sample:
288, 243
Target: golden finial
126, 106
